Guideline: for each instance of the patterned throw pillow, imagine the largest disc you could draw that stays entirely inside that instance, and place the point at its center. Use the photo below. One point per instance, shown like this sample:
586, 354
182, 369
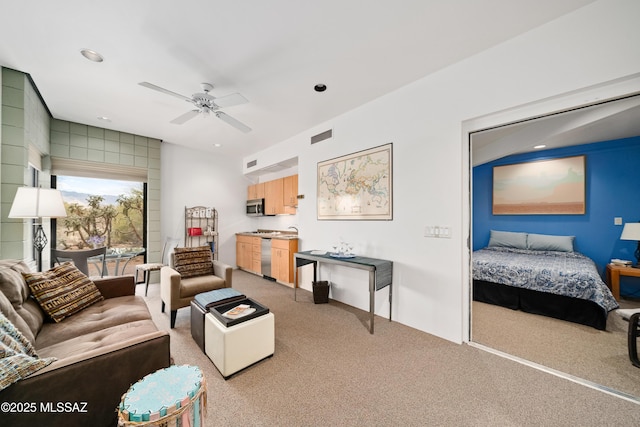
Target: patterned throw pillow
18, 358
63, 290
191, 262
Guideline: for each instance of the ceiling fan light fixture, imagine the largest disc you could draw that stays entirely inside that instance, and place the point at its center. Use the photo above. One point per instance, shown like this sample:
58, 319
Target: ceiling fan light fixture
92, 55
320, 87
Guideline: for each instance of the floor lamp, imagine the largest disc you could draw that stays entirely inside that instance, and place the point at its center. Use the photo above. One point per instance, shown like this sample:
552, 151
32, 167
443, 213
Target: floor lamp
38, 203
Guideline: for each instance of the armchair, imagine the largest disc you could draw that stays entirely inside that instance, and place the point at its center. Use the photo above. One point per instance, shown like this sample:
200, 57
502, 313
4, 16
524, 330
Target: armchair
191, 271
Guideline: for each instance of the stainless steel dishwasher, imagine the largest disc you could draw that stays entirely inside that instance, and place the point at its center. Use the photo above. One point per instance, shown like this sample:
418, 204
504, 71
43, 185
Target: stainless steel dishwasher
265, 257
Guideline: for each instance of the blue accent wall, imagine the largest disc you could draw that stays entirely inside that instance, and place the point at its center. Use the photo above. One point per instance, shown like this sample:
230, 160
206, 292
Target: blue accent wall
612, 190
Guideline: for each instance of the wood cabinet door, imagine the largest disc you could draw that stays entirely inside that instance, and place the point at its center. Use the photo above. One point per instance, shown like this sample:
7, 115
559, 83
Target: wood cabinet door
282, 259
243, 255
259, 190
273, 193
280, 265
290, 190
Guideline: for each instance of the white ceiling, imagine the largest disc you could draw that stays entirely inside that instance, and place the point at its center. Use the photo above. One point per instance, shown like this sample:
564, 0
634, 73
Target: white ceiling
272, 52
611, 120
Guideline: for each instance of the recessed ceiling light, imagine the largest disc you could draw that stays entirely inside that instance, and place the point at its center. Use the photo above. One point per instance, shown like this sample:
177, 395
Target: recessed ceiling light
320, 87
92, 55
217, 145
537, 147
104, 119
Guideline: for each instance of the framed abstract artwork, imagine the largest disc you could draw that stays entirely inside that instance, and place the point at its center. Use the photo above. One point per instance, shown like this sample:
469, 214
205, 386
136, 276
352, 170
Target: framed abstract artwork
543, 187
357, 186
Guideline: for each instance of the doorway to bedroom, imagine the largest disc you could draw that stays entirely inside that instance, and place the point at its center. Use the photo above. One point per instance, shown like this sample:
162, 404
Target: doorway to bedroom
594, 357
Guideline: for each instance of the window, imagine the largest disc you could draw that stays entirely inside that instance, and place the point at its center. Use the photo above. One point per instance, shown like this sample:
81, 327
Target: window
103, 212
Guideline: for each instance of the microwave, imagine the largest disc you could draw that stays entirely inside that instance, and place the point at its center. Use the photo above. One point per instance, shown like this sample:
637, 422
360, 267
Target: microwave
255, 207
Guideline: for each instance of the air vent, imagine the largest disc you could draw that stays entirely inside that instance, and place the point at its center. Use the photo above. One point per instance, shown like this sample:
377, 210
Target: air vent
252, 163
321, 136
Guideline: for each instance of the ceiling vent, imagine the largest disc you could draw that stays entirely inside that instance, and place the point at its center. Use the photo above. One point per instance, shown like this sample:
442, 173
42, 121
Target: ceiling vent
321, 136
252, 163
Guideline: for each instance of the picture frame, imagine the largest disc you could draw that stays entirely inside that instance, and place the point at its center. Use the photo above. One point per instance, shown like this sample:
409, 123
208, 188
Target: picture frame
541, 187
357, 186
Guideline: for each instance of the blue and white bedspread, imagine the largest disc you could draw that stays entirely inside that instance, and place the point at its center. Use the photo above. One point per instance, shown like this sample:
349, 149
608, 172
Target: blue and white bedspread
563, 273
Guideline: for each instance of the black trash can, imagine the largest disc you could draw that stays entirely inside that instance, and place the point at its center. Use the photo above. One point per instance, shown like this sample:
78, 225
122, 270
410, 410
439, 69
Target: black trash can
321, 292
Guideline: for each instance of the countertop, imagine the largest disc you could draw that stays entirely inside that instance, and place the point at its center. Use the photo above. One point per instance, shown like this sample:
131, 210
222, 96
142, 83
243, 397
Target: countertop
282, 235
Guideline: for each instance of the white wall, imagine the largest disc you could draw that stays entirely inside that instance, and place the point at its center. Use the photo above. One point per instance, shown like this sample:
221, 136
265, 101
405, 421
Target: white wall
196, 178
424, 121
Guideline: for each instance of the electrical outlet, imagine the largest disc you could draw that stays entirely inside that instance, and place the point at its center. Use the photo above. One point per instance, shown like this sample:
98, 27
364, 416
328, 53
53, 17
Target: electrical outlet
617, 221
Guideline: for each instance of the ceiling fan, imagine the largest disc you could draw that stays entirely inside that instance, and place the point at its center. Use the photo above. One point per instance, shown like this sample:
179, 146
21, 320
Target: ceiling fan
205, 104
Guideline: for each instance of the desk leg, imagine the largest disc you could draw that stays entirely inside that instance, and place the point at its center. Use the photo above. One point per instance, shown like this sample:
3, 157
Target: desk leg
372, 298
295, 279
615, 283
390, 296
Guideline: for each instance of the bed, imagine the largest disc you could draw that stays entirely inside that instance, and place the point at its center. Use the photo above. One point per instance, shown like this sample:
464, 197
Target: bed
541, 278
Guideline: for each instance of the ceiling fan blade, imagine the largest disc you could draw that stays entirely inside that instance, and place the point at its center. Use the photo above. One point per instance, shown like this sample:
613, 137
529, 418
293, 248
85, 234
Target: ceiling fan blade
185, 117
163, 90
233, 122
230, 100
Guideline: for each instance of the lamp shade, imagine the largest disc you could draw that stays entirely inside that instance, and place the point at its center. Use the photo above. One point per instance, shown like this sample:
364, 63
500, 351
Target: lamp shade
33, 202
631, 231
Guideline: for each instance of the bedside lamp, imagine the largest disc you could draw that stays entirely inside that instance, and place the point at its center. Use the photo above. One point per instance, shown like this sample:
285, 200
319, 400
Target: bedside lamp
38, 203
631, 231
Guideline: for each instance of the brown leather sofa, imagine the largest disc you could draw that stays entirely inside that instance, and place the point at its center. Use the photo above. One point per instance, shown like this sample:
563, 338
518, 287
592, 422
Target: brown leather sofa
100, 352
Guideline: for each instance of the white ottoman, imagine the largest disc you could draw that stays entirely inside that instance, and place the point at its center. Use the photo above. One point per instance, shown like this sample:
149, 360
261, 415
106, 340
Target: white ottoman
236, 347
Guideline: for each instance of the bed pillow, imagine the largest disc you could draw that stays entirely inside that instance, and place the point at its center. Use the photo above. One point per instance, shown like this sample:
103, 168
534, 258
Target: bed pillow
63, 290
545, 242
508, 239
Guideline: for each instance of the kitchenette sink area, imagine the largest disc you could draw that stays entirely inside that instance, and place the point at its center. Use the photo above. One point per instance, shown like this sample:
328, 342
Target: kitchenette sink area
268, 253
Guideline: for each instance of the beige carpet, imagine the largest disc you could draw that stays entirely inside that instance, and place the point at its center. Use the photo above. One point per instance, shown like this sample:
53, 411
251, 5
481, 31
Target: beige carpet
328, 370
582, 351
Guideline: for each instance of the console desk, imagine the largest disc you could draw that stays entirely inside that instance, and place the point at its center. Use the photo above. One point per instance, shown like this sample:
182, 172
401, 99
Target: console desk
380, 274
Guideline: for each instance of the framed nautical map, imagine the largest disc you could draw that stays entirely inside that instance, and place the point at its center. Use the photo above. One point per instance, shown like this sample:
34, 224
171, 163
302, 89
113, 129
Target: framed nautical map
357, 186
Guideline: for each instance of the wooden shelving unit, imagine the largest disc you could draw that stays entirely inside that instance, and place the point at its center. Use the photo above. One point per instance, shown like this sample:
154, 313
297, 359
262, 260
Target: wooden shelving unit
204, 218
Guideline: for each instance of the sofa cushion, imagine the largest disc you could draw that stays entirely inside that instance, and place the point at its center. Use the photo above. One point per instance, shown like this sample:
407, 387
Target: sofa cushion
95, 340
191, 262
18, 358
10, 313
15, 289
101, 315
63, 290
194, 285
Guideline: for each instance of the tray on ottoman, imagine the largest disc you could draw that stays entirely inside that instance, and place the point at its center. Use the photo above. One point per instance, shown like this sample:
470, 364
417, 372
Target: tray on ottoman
218, 310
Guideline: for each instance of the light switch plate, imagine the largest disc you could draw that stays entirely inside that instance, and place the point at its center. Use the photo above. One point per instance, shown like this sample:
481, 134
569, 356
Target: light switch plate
617, 221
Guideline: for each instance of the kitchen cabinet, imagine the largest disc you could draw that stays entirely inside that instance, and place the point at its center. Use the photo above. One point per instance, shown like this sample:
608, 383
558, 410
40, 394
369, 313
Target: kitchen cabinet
248, 253
255, 191
282, 251
273, 197
280, 195
290, 192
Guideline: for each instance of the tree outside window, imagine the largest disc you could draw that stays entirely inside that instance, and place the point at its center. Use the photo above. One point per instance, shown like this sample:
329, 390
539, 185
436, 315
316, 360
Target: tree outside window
102, 212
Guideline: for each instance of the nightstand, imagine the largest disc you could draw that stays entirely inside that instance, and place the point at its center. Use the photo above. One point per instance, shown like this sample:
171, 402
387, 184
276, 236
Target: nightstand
613, 277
